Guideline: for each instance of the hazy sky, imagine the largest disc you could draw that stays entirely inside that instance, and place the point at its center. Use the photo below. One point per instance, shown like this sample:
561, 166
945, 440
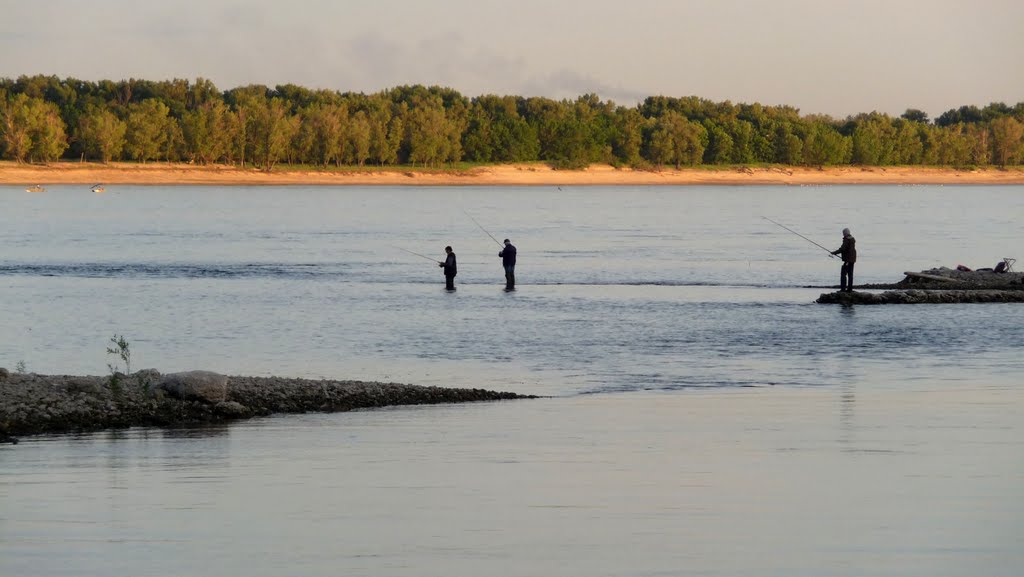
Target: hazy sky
823, 56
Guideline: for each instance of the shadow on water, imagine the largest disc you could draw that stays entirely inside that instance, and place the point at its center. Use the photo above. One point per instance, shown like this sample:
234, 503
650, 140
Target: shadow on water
199, 431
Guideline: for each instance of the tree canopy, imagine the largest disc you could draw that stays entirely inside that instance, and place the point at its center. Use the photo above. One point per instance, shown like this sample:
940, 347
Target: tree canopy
45, 118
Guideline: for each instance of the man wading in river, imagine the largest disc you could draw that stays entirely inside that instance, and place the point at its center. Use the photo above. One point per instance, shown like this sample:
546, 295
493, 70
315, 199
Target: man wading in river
508, 260
450, 270
849, 253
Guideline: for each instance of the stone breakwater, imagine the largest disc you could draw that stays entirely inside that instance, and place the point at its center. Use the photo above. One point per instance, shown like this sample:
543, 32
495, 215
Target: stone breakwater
939, 285
951, 279
34, 404
915, 296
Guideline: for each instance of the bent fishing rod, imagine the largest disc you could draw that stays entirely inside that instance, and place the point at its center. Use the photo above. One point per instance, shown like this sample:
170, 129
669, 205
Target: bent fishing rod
418, 254
830, 255
483, 229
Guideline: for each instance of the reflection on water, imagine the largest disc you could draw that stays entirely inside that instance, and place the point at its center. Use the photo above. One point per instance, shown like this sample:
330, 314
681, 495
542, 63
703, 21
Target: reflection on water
774, 481
198, 431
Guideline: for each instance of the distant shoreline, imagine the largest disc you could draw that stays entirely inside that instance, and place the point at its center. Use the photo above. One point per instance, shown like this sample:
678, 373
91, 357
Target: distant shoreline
533, 174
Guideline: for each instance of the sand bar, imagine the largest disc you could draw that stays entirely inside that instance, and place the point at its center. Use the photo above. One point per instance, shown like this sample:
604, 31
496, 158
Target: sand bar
534, 174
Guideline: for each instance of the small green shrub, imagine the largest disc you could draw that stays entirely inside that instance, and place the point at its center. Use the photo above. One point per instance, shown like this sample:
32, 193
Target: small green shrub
122, 349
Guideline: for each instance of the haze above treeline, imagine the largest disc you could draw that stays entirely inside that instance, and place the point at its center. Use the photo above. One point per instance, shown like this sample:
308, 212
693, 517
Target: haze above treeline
46, 118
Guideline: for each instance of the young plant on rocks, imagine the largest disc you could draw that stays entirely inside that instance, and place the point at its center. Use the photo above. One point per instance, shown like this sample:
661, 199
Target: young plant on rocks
122, 349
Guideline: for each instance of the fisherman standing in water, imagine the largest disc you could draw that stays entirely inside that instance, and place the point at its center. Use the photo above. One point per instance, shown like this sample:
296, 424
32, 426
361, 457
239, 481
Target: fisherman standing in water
508, 260
849, 253
450, 270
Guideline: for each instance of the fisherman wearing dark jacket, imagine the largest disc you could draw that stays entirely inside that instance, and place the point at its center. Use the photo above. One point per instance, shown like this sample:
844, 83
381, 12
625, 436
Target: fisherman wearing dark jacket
849, 253
508, 260
450, 269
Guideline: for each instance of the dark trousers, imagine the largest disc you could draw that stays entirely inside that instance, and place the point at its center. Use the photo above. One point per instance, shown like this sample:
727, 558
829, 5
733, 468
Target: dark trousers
449, 282
510, 277
846, 277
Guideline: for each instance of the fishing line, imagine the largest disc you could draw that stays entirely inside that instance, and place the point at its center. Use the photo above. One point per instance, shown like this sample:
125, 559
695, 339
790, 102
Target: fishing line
830, 255
483, 229
417, 254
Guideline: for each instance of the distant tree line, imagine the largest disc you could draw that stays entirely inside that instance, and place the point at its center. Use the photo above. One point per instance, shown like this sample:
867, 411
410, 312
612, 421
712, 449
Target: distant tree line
45, 118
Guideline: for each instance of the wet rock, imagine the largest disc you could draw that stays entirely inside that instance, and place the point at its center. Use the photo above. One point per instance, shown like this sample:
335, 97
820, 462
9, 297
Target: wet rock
232, 409
205, 386
4, 374
147, 377
87, 385
947, 278
32, 404
919, 296
944, 278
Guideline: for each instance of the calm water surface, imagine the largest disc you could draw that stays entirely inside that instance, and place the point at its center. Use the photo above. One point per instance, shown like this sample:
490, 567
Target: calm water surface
707, 418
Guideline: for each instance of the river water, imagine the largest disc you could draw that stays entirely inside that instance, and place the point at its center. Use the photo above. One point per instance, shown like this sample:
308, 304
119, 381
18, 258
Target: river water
704, 417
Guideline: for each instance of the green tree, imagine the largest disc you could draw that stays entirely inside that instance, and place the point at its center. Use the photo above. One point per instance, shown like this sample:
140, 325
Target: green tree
207, 131
1007, 136
873, 140
16, 127
742, 134
978, 138
720, 145
49, 138
146, 129
387, 128
908, 149
428, 136
763, 127
676, 140
914, 115
628, 139
496, 132
272, 129
478, 141
564, 136
322, 133
31, 129
174, 142
824, 146
200, 93
237, 121
101, 134
358, 149
964, 114
788, 146
948, 146
995, 110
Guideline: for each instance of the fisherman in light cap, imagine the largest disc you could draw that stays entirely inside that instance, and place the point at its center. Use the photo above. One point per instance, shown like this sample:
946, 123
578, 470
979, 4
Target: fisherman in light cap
849, 253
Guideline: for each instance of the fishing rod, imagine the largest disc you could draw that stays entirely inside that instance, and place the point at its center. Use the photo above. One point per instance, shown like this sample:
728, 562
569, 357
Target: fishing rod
483, 229
417, 254
830, 255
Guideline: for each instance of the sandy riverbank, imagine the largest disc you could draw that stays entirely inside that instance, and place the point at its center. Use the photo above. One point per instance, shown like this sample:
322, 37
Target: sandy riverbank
158, 173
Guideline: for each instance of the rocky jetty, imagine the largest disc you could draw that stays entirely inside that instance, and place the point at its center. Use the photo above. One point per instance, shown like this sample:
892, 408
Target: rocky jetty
941, 285
948, 278
916, 296
951, 279
33, 404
